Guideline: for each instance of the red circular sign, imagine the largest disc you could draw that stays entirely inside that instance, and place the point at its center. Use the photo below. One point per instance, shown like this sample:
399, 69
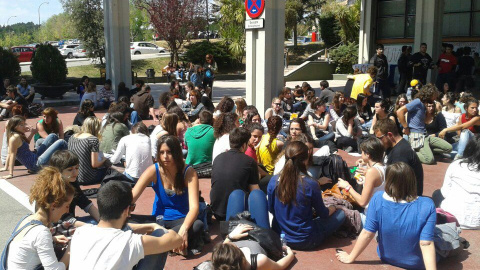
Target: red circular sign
254, 8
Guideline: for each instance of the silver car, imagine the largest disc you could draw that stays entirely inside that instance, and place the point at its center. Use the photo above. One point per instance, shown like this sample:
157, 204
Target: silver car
145, 48
80, 52
67, 50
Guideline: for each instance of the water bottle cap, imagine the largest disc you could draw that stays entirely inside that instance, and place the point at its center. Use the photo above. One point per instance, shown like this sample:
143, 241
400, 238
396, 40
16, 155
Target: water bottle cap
282, 235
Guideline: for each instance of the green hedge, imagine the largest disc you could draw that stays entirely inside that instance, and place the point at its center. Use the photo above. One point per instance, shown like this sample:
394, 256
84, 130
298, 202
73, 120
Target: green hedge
345, 56
48, 65
329, 30
9, 66
196, 53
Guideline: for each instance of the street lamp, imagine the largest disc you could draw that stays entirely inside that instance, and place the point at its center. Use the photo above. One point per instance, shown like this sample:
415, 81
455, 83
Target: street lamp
39, 12
9, 19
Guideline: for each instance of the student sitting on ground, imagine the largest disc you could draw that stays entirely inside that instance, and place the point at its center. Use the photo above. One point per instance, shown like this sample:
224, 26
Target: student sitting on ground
348, 130
373, 174
50, 124
107, 246
246, 254
31, 244
460, 192
90, 93
112, 132
136, 149
244, 180
405, 223
86, 110
270, 146
225, 105
318, 122
200, 140
292, 196
222, 126
68, 165
337, 107
12, 100
364, 112
18, 147
176, 193
382, 108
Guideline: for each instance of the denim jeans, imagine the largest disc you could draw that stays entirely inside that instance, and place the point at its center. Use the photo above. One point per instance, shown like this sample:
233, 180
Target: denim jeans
134, 118
459, 147
130, 177
256, 205
322, 228
366, 126
49, 146
154, 261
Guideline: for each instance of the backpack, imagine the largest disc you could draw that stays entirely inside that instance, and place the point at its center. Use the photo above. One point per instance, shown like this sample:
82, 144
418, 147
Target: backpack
334, 167
209, 74
35, 109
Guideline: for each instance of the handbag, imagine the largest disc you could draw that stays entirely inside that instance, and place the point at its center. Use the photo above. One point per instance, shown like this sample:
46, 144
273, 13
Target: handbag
337, 193
204, 170
416, 140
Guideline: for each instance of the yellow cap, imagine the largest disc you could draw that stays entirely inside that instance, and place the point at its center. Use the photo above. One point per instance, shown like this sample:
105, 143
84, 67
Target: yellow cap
413, 83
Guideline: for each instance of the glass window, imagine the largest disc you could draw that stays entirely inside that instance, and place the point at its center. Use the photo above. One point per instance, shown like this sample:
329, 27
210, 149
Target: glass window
456, 24
476, 5
457, 5
391, 27
412, 7
391, 8
410, 27
476, 24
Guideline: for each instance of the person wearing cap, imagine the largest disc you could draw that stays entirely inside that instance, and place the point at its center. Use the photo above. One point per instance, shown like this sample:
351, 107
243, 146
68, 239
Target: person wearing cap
106, 95
415, 85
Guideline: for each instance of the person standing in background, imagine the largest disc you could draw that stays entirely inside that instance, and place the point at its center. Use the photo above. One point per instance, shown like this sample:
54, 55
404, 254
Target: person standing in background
380, 61
421, 62
446, 66
405, 72
210, 67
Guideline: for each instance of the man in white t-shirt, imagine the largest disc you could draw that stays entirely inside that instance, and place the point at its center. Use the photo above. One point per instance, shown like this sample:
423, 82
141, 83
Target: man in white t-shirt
107, 246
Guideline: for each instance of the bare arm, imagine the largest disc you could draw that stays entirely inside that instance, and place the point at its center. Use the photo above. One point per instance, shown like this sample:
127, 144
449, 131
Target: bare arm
264, 263
95, 162
147, 177
401, 116
311, 125
428, 254
60, 129
363, 240
157, 245
374, 121
268, 113
372, 180
41, 131
193, 187
93, 211
13, 144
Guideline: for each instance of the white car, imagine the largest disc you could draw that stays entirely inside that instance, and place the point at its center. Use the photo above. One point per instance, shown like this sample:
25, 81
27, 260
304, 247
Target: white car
67, 50
80, 52
145, 48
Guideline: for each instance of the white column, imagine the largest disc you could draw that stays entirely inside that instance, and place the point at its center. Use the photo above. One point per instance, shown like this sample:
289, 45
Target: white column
367, 31
117, 42
264, 48
428, 28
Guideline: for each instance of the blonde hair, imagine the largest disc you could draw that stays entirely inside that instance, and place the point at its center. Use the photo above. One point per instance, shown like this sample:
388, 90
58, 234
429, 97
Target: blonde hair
91, 87
92, 125
49, 189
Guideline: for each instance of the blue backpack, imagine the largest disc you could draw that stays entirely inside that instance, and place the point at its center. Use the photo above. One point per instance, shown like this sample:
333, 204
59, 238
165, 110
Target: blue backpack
209, 74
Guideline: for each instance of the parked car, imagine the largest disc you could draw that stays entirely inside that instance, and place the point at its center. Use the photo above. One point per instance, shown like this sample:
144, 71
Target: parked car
24, 53
80, 52
145, 48
67, 50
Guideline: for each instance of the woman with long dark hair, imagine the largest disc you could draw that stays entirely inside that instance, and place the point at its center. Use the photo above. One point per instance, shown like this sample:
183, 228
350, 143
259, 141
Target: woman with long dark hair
176, 192
112, 132
318, 121
222, 126
382, 112
292, 197
270, 146
348, 130
86, 110
337, 106
364, 112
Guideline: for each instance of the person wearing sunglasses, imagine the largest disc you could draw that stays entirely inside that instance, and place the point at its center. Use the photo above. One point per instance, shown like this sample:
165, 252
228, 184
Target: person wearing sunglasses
275, 110
397, 149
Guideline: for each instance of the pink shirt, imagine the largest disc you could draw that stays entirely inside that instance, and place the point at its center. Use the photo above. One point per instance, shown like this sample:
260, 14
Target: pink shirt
251, 153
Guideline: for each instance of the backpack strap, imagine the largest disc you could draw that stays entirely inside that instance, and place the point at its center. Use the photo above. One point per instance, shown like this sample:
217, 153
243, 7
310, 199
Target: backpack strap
253, 261
15, 232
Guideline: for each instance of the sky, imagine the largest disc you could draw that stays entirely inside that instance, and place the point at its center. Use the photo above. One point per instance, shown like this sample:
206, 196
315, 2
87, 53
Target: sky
27, 10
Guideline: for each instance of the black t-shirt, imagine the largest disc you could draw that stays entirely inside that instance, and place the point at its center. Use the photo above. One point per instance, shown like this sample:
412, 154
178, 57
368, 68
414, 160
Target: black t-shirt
78, 199
403, 152
79, 118
465, 65
21, 101
231, 170
381, 62
207, 102
420, 72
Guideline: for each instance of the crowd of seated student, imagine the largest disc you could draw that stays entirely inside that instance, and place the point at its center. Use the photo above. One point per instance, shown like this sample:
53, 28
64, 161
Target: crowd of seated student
50, 124
266, 161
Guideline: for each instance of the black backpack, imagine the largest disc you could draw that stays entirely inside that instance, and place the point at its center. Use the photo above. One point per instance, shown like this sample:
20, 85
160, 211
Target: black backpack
334, 167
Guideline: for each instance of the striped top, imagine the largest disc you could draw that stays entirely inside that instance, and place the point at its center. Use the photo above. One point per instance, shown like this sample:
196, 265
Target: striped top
83, 148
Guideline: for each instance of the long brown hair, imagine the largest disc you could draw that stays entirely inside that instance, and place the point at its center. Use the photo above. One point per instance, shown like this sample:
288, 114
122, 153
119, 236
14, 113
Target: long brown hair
296, 154
169, 123
54, 127
227, 257
174, 144
12, 124
336, 101
274, 124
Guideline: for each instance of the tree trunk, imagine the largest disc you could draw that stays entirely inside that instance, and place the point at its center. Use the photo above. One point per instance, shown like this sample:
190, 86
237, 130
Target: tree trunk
295, 35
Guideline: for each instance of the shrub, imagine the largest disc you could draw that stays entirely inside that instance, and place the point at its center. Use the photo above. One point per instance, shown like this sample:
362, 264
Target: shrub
345, 56
196, 53
329, 29
9, 66
48, 65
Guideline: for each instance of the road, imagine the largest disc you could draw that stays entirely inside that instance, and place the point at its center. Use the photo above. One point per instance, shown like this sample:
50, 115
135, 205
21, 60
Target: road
75, 62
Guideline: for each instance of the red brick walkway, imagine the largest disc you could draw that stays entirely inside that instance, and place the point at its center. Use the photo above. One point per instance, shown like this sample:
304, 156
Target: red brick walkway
322, 258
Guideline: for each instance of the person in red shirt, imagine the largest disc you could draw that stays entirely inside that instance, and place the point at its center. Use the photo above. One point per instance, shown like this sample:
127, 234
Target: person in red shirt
446, 67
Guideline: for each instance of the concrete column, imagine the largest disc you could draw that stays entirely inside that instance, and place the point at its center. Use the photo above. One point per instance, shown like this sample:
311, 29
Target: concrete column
117, 42
428, 29
264, 48
367, 31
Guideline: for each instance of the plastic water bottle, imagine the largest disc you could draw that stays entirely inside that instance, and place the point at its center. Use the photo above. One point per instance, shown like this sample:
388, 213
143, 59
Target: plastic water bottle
284, 243
160, 221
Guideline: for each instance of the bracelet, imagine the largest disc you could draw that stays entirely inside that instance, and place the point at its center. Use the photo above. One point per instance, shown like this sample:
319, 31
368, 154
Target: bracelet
347, 189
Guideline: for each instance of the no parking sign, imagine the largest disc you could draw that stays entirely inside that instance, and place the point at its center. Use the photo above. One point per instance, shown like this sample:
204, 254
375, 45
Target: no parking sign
254, 8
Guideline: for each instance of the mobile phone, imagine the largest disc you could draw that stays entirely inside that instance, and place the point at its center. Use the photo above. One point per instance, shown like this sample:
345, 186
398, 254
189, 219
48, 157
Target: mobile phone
339, 250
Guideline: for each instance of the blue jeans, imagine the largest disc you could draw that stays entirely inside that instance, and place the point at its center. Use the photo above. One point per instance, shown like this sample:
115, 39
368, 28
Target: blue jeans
134, 118
104, 103
322, 228
256, 204
154, 261
329, 136
366, 127
87, 220
459, 147
49, 146
202, 215
130, 177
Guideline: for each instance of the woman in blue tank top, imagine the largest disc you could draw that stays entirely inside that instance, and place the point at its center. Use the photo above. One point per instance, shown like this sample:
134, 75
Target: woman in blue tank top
176, 192
18, 146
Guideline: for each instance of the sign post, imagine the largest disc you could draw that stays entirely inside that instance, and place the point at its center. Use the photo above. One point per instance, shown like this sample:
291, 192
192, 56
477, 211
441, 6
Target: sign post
265, 34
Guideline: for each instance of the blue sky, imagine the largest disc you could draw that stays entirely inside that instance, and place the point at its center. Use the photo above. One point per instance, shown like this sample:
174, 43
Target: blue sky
27, 10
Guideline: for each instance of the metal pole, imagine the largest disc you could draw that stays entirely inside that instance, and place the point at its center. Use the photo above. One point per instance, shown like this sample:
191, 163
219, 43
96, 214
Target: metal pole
9, 19
39, 12
208, 34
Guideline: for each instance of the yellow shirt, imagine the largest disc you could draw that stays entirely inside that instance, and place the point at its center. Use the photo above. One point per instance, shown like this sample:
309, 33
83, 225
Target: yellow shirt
361, 85
267, 154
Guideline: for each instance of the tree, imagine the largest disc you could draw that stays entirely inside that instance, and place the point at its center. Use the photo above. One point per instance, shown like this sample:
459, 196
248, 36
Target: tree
293, 14
348, 18
174, 19
87, 16
139, 24
232, 26
57, 27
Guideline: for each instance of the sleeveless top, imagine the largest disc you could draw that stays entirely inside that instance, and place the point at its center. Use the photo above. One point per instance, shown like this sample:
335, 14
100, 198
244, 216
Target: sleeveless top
173, 206
37, 135
27, 157
381, 169
474, 129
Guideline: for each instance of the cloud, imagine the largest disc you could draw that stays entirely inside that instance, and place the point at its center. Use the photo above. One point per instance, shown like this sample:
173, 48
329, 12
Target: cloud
27, 10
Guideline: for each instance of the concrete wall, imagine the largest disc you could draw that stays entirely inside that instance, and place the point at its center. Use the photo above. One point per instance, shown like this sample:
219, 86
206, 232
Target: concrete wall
311, 71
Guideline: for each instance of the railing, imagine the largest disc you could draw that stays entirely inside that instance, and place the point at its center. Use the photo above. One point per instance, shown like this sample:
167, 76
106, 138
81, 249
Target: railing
324, 50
